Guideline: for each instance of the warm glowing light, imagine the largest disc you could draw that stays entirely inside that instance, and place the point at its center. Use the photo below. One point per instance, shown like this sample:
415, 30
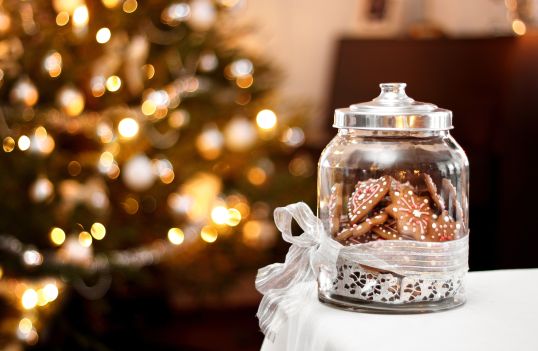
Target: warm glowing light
53, 64
32, 258
244, 82
266, 119
85, 239
252, 231
209, 234
149, 70
29, 299
50, 291
128, 128
233, 217
97, 85
71, 101
98, 231
81, 16
8, 144
113, 83
110, 3
106, 161
176, 236
256, 175
103, 35
148, 107
24, 143
62, 18
129, 6
519, 27
57, 236
219, 215
25, 326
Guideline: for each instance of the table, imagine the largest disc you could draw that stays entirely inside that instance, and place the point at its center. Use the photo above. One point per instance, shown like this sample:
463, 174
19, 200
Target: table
501, 313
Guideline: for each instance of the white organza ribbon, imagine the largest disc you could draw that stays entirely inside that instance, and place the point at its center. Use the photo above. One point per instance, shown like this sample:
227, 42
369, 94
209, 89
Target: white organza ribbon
283, 284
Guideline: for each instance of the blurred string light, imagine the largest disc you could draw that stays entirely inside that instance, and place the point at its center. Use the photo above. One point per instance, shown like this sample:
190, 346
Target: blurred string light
85, 239
176, 13
81, 16
128, 128
130, 6
23, 143
113, 83
209, 234
57, 236
176, 236
519, 27
98, 231
52, 64
8, 144
71, 101
111, 3
103, 35
266, 119
62, 18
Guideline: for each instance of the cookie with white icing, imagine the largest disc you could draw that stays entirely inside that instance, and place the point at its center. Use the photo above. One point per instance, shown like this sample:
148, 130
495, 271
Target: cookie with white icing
366, 196
411, 212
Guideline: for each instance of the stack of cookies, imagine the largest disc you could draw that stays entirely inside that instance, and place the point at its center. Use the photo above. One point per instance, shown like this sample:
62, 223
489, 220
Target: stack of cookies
385, 209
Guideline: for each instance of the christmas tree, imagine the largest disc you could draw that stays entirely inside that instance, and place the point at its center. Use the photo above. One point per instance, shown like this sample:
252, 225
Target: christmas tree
139, 142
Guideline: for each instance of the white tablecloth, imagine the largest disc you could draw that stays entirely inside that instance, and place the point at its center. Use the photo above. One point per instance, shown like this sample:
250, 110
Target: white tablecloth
501, 313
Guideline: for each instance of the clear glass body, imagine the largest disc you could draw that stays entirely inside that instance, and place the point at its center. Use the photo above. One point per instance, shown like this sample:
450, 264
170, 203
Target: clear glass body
391, 185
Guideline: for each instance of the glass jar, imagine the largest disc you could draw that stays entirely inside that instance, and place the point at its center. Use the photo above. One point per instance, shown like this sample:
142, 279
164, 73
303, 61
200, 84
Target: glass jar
393, 191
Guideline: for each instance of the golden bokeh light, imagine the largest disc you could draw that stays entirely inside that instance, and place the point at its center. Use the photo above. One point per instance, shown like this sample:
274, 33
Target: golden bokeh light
519, 27
52, 63
57, 236
209, 234
103, 35
149, 70
256, 175
113, 83
129, 6
8, 144
29, 299
25, 325
110, 3
85, 239
244, 82
62, 18
266, 119
148, 107
81, 16
233, 217
50, 291
128, 128
219, 215
24, 143
98, 231
176, 236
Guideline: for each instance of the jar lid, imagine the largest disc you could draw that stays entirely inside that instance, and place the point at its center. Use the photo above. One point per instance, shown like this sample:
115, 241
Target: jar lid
393, 110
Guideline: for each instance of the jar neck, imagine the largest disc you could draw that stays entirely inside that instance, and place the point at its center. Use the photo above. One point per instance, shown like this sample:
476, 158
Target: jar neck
392, 133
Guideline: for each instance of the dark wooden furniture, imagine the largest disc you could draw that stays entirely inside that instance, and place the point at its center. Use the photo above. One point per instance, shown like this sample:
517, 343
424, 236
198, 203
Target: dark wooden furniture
491, 85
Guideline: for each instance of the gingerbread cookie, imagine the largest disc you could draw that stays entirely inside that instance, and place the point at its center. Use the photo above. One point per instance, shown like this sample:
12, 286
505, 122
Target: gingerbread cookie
366, 196
443, 228
360, 229
335, 208
386, 232
432, 189
411, 212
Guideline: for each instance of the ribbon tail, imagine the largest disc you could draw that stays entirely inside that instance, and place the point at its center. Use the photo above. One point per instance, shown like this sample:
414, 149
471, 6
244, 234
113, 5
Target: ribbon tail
281, 283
